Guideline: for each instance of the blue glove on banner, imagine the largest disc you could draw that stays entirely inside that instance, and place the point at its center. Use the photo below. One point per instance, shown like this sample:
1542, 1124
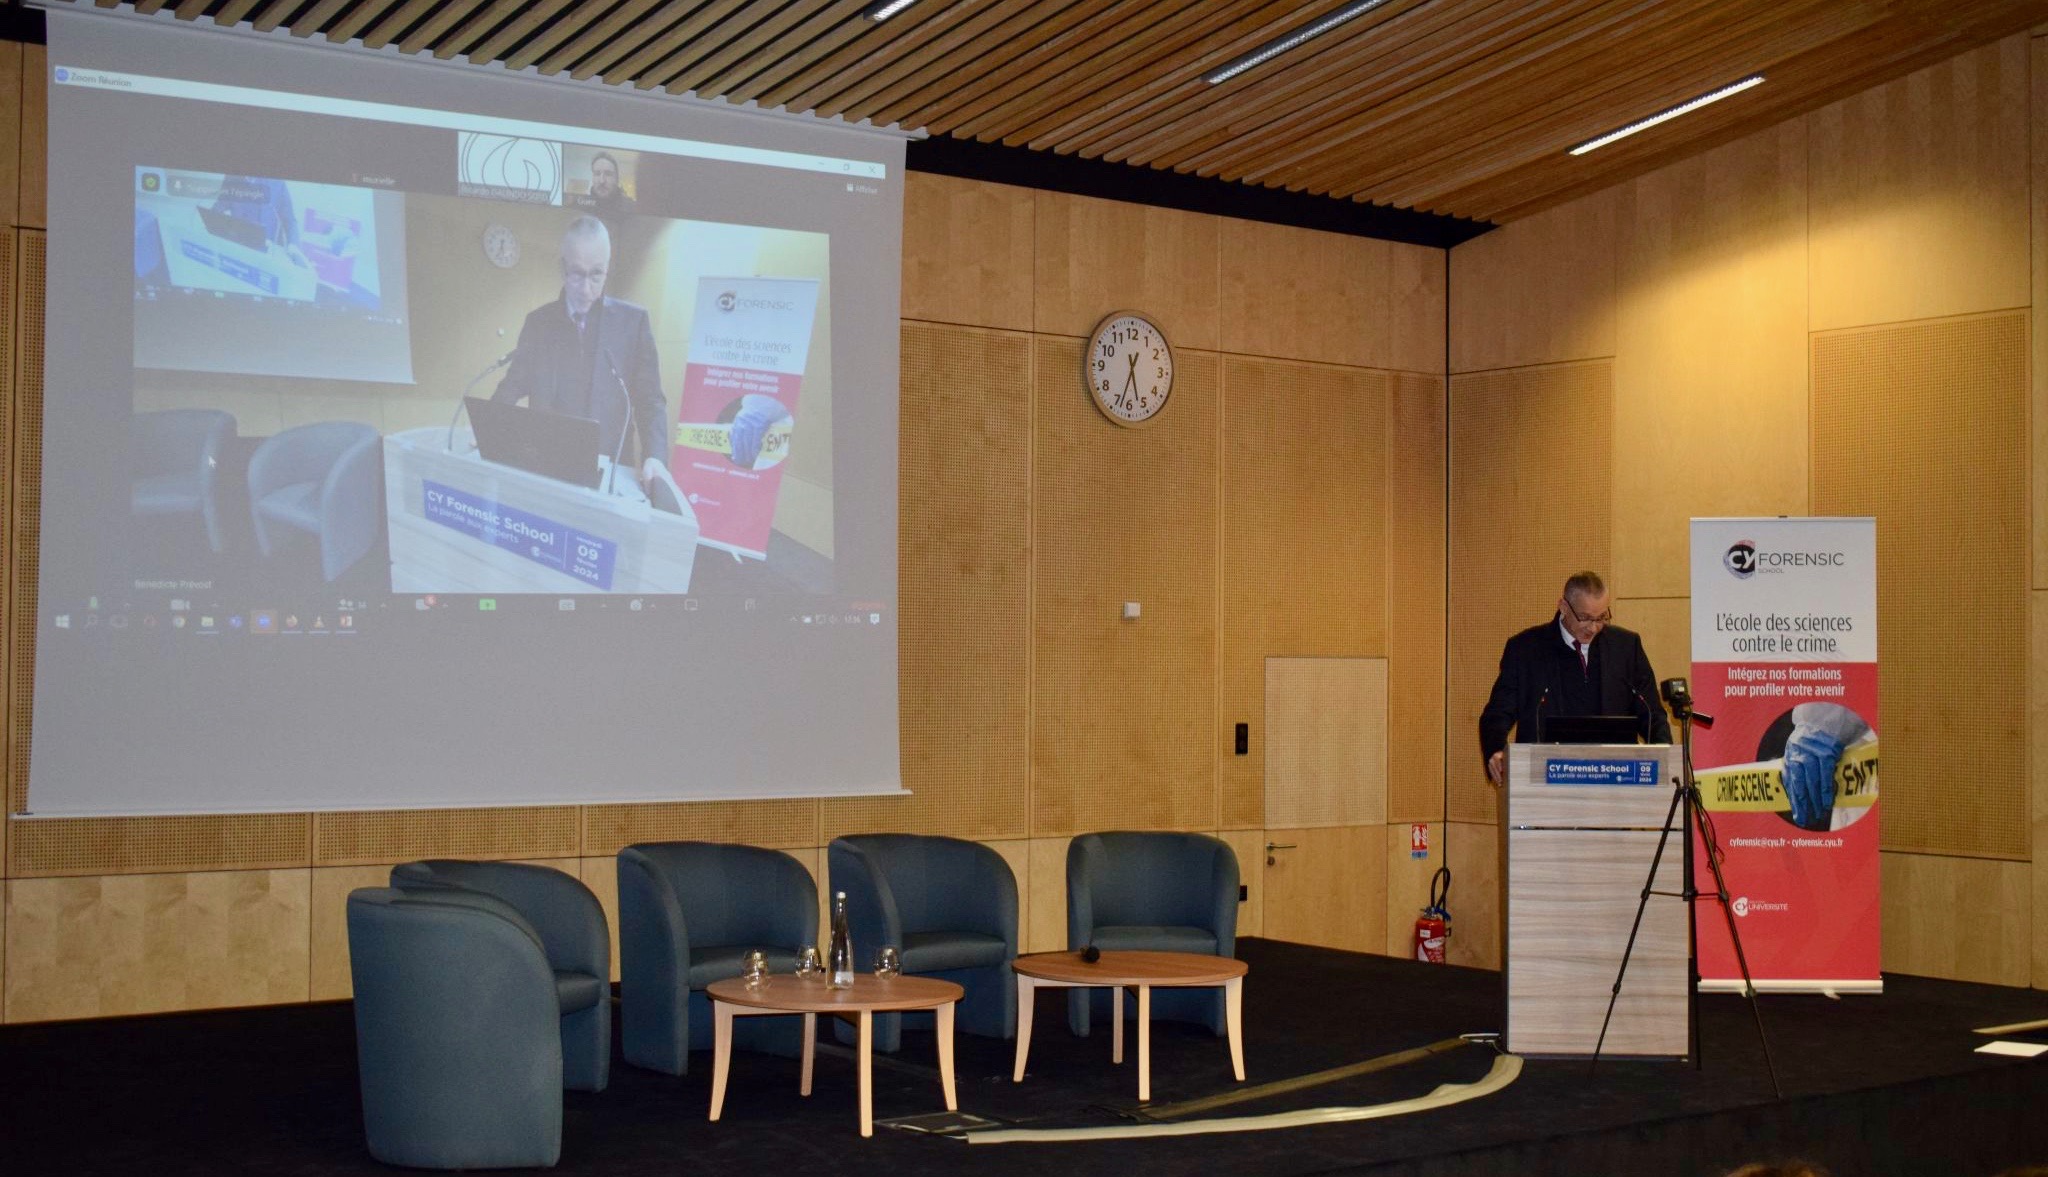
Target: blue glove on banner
1810, 760
756, 414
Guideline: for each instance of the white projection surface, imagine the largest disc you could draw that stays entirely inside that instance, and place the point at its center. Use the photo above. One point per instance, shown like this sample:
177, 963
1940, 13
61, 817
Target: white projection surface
438, 437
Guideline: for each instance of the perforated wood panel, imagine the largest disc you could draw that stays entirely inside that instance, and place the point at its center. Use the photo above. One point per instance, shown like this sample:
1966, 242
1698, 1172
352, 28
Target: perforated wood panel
1531, 451
967, 252
1326, 742
1330, 297
1710, 413
1123, 712
777, 824
1935, 167
1415, 599
27, 474
965, 580
2040, 404
152, 845
341, 839
10, 794
35, 136
1924, 426
1304, 540
10, 134
1538, 291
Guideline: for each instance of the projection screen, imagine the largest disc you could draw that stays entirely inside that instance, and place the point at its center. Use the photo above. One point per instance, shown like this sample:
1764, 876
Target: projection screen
445, 437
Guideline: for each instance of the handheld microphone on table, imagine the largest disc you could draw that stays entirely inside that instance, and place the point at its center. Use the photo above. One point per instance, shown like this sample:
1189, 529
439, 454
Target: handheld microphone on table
1091, 954
1678, 696
613, 479
462, 402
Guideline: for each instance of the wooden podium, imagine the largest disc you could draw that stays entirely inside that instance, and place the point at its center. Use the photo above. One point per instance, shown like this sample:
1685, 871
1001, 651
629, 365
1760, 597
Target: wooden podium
459, 524
1581, 823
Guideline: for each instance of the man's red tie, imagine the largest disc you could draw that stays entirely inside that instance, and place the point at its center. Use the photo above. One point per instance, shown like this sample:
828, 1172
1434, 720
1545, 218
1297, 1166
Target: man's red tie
1584, 667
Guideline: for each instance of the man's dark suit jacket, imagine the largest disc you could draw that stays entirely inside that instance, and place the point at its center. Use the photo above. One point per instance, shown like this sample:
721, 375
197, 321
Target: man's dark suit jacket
554, 371
1530, 667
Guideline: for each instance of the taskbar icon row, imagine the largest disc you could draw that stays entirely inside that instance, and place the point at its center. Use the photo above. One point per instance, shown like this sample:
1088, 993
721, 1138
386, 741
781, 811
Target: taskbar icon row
205, 622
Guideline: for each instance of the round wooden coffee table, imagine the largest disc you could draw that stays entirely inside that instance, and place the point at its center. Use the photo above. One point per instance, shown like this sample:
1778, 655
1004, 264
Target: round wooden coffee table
1143, 971
869, 996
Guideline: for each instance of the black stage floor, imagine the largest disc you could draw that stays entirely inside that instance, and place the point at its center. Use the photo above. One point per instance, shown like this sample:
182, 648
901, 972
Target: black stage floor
1874, 1085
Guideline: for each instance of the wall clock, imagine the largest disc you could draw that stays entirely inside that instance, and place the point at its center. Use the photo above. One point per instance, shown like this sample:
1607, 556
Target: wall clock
501, 245
1128, 368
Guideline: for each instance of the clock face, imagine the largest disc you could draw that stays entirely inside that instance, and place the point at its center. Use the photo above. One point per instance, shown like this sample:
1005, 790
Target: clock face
501, 245
1128, 368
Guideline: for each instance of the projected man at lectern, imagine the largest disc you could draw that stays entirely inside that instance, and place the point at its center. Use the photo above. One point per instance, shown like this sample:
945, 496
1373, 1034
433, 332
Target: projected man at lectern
1577, 663
586, 355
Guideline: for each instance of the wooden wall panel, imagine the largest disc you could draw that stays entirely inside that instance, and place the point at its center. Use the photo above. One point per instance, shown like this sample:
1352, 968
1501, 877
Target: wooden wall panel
1097, 256
10, 135
1326, 742
102, 947
1047, 929
2039, 205
1330, 889
1526, 512
12, 792
1537, 291
1966, 919
1304, 540
1665, 624
51, 847
2037, 778
1924, 427
601, 875
967, 252
35, 137
964, 590
778, 824
1123, 712
1920, 194
346, 839
1416, 573
1710, 250
1473, 853
1331, 297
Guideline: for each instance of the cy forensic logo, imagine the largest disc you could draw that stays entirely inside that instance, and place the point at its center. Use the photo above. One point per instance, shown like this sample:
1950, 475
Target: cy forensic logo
727, 300
1740, 559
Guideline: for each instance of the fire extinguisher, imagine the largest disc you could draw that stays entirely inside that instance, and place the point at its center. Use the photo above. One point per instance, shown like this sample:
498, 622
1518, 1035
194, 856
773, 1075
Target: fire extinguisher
1433, 926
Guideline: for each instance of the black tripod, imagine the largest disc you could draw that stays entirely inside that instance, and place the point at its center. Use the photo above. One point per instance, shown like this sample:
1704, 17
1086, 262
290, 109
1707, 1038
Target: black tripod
1686, 793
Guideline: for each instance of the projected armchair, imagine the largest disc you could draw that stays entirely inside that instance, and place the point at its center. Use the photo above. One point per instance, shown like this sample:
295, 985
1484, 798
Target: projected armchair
688, 914
324, 479
950, 907
175, 456
568, 923
1153, 891
456, 1012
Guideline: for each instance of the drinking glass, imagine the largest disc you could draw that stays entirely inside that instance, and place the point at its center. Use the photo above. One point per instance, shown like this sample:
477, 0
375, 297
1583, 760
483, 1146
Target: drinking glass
888, 963
808, 965
754, 968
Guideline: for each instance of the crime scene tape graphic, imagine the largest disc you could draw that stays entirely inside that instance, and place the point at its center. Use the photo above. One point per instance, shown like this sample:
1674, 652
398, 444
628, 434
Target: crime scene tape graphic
1759, 787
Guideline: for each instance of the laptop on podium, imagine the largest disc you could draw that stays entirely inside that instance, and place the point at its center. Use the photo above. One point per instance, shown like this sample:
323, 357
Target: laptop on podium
552, 445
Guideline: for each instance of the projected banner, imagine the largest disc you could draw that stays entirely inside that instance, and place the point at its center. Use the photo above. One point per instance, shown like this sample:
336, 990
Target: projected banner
748, 346
1784, 641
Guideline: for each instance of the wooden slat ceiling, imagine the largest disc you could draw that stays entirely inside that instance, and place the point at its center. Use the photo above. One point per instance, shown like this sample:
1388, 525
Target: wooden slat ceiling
1463, 107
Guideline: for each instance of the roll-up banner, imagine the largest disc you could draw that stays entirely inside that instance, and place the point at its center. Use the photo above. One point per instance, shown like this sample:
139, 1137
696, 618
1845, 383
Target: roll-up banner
749, 344
1784, 647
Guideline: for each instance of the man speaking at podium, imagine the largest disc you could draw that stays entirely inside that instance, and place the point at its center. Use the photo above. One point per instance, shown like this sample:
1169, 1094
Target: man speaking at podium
1578, 663
584, 355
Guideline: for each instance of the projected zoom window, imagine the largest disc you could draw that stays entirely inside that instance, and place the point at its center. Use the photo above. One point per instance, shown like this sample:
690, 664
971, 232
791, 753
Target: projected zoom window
525, 382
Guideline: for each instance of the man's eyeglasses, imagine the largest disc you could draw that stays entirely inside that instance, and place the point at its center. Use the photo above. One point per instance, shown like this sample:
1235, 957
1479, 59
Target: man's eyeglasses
1606, 618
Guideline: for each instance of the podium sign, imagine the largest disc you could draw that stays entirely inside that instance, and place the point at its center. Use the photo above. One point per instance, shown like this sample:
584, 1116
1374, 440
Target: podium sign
1582, 827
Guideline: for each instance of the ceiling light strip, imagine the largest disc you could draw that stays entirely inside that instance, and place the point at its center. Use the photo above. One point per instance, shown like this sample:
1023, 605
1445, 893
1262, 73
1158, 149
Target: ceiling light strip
1272, 49
1668, 115
886, 9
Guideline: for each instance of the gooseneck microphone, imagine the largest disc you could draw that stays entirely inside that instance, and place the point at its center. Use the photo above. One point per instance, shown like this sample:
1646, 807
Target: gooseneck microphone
1540, 701
1649, 716
462, 402
612, 481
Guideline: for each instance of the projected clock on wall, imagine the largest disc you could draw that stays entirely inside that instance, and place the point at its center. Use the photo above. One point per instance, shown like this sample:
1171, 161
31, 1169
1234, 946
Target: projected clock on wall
1128, 368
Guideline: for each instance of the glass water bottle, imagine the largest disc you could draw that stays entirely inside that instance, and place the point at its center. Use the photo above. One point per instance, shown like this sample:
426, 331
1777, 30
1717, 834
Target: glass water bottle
841, 960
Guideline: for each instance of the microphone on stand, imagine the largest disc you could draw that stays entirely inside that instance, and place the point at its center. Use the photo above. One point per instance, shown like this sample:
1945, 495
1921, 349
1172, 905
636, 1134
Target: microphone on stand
462, 402
612, 480
1540, 701
1648, 715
